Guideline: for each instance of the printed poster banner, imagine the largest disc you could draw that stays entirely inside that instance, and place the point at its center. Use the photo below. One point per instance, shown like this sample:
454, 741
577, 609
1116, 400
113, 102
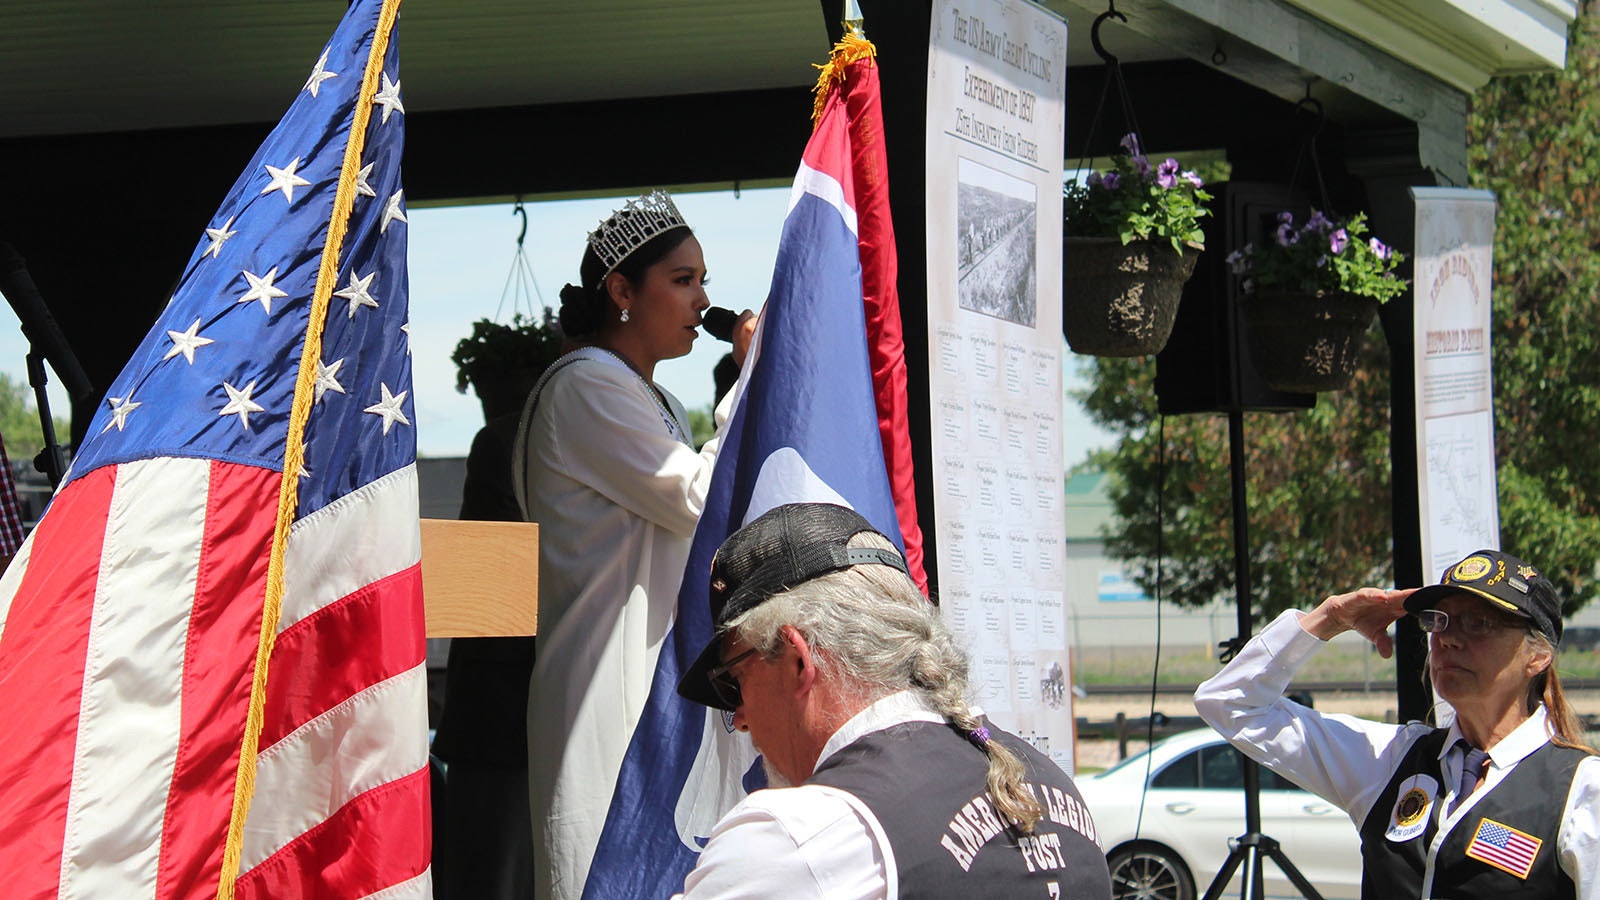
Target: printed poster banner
1454, 381
995, 143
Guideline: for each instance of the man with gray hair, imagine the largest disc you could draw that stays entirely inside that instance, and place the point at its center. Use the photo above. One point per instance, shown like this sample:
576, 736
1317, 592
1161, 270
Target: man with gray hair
855, 693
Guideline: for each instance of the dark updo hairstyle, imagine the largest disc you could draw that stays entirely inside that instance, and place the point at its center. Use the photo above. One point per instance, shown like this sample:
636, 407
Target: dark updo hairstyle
583, 308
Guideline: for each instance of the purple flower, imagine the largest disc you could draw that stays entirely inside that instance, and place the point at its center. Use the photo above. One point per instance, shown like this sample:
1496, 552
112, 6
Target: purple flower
1338, 240
1286, 236
1167, 173
1130, 143
1380, 248
1193, 178
1111, 181
1239, 262
1094, 179
1285, 218
1318, 221
1143, 166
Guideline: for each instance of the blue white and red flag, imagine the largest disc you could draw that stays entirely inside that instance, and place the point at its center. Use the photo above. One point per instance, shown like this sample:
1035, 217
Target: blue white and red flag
212, 645
804, 428
1504, 847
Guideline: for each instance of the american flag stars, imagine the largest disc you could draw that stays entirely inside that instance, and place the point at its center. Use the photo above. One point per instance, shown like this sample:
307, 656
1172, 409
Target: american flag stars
285, 179
389, 408
388, 97
207, 358
358, 295
319, 74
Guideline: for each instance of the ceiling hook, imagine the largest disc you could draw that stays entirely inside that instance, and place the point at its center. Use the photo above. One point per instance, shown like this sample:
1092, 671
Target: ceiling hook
1314, 106
519, 211
1094, 31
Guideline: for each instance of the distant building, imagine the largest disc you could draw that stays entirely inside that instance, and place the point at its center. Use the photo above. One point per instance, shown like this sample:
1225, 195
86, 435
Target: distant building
1108, 608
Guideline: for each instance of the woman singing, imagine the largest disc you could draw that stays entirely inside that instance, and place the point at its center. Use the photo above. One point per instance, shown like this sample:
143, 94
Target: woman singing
1503, 803
608, 471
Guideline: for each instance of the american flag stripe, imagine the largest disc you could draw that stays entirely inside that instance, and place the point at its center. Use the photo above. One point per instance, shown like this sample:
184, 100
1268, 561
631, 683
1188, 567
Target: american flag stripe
320, 863
223, 626
12, 578
127, 753
298, 791
41, 680
357, 539
389, 645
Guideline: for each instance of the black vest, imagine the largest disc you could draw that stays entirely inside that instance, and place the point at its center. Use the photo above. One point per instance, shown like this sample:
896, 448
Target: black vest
1531, 800
927, 786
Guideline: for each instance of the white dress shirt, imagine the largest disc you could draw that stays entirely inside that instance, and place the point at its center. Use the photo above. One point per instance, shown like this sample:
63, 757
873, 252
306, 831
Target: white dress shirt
808, 841
1349, 761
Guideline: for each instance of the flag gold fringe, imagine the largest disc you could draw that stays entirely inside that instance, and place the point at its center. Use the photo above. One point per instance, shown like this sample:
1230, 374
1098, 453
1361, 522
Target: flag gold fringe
294, 448
851, 48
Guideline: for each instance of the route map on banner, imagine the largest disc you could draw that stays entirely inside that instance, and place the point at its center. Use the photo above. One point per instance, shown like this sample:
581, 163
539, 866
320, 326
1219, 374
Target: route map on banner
995, 143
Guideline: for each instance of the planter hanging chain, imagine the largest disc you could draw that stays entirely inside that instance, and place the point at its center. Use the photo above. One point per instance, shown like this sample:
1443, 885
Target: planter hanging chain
1308, 147
520, 278
1114, 76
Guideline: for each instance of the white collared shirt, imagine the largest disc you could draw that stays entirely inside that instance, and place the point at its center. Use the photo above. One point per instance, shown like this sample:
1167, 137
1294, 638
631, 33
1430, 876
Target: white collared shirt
1349, 761
808, 841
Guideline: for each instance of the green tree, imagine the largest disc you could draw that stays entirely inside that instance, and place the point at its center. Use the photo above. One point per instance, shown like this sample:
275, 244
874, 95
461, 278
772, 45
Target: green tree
1319, 482
1318, 489
1532, 142
701, 425
19, 420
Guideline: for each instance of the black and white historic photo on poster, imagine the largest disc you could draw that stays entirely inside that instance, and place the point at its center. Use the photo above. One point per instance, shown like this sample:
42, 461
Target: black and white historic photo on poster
996, 239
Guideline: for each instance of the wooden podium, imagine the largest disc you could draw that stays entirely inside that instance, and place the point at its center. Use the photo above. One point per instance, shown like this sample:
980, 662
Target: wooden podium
480, 579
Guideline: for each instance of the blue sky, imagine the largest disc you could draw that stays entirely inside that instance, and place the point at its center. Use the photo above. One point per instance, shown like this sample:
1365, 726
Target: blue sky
461, 259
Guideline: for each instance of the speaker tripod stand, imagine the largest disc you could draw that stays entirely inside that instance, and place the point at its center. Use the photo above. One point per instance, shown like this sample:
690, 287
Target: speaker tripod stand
1249, 848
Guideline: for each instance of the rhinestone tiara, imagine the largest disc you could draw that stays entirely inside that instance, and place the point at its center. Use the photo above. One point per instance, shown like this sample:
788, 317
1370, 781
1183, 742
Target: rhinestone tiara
630, 227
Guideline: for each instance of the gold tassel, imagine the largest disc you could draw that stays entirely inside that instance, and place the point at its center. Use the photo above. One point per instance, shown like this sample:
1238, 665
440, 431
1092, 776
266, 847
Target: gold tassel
851, 48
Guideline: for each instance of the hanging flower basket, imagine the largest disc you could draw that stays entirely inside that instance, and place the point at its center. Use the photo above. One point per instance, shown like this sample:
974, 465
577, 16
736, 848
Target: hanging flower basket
1120, 299
1306, 342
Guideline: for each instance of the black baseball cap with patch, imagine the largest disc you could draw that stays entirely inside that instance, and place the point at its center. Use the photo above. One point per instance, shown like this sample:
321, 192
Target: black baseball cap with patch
1506, 582
784, 547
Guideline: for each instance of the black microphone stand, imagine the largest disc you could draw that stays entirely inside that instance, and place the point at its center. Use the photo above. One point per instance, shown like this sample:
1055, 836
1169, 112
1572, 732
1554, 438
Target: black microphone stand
45, 341
1248, 848
52, 460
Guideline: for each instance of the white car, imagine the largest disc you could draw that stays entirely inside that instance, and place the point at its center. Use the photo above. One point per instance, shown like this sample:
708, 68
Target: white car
1194, 806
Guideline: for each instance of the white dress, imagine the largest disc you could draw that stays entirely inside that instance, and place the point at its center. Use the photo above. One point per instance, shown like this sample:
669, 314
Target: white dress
616, 488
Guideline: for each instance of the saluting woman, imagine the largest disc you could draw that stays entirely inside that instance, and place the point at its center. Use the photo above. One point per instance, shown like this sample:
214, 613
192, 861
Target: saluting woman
608, 470
1504, 802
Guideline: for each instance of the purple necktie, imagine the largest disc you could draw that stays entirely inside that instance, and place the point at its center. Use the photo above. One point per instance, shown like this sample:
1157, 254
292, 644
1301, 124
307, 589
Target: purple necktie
1474, 768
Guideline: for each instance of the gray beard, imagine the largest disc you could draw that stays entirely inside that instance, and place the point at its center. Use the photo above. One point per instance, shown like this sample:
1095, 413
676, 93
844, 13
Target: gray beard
774, 777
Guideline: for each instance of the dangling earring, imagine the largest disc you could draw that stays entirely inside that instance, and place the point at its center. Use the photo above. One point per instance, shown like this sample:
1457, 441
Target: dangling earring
624, 317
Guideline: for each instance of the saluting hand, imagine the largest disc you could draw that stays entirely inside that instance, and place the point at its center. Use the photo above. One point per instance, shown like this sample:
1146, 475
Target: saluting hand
1369, 611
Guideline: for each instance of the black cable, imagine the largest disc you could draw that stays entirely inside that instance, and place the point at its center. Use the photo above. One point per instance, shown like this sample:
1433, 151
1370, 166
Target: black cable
1155, 668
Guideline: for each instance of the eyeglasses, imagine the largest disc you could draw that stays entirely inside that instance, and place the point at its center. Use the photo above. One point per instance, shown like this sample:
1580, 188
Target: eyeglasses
1434, 621
725, 684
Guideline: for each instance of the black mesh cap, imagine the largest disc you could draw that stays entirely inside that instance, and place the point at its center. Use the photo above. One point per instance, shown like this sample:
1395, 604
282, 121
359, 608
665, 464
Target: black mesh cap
786, 546
1506, 582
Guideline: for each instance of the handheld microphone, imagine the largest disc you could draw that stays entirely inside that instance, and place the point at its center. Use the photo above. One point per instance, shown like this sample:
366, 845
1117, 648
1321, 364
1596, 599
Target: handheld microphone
719, 322
38, 325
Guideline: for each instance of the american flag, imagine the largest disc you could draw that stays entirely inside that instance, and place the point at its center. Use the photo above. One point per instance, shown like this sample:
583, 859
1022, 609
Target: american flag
211, 647
1504, 847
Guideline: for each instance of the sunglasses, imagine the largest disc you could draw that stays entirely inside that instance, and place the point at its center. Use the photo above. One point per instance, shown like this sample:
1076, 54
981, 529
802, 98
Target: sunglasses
725, 684
1434, 621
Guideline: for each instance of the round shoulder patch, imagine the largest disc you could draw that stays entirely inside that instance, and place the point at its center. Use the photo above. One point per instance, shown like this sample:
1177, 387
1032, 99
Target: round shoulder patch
1471, 569
1412, 804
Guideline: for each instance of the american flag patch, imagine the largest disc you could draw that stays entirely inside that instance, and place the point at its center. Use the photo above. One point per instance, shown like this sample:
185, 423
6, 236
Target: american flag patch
1504, 847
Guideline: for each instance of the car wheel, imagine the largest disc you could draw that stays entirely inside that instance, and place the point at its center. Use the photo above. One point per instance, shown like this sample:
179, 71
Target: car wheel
1149, 872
